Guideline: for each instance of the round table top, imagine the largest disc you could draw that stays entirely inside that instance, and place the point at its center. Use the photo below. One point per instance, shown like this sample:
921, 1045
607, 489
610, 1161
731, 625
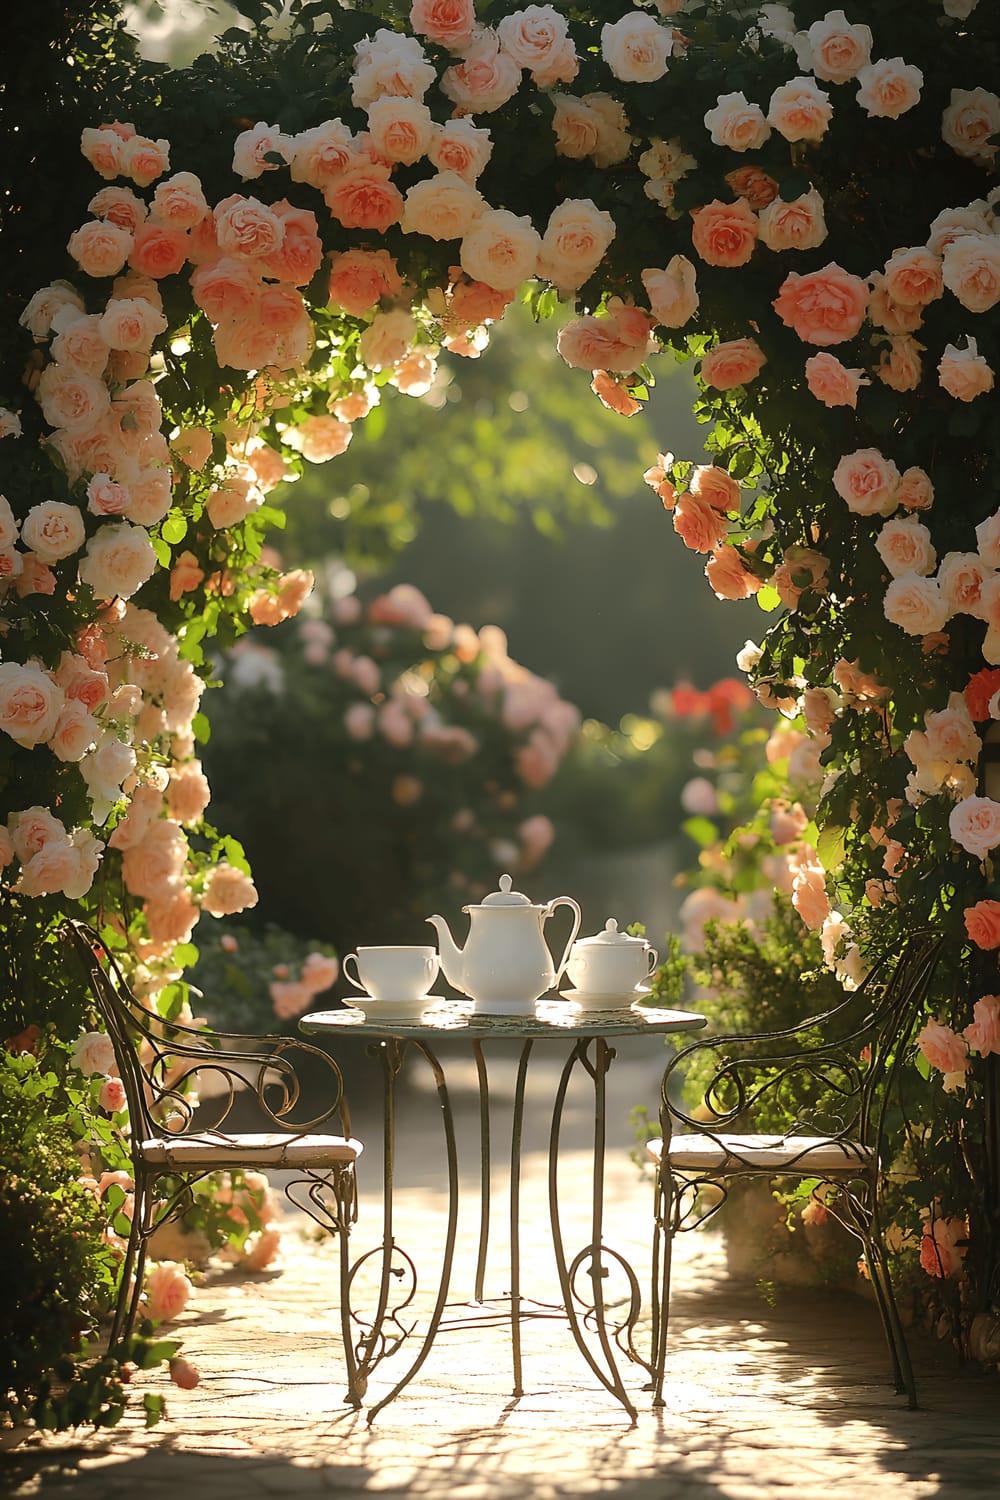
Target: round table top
548, 1018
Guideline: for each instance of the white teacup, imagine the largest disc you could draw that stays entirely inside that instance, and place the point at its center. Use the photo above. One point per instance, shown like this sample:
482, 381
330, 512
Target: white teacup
611, 963
394, 972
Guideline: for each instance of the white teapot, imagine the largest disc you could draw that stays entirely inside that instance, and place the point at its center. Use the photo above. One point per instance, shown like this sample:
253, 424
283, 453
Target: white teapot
505, 964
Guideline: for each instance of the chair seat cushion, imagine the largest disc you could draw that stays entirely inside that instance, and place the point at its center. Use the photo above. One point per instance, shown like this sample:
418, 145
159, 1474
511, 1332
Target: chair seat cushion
732, 1153
213, 1148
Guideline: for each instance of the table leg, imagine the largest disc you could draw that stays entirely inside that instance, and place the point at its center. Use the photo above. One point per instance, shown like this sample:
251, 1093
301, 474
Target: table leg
484, 1169
596, 1251
448, 1123
515, 1215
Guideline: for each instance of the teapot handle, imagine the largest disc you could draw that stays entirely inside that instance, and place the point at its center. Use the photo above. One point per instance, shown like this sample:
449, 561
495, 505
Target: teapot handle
564, 901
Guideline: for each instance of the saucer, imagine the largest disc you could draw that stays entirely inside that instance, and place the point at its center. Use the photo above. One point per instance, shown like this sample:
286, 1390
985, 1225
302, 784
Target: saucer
597, 1000
394, 1010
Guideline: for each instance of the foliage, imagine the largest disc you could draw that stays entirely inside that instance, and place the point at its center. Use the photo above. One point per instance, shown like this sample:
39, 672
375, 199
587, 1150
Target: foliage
243, 975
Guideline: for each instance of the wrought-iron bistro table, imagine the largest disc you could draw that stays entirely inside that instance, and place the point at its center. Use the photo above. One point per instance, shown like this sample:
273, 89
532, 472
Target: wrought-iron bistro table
588, 1034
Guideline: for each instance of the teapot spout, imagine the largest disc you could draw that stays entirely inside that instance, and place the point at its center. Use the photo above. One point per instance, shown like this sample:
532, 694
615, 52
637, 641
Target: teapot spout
451, 956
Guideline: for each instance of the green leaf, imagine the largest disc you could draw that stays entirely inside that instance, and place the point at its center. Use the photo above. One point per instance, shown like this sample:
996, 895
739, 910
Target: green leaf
201, 729
701, 831
174, 528
768, 599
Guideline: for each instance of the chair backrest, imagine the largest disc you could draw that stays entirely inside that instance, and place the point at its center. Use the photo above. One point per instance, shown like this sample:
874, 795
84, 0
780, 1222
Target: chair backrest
160, 1061
830, 1075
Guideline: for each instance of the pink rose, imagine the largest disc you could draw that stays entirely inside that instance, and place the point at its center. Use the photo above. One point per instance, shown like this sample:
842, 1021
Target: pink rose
809, 896
724, 234
698, 524
168, 1291
362, 197
823, 307
943, 1048
673, 298
93, 1052
728, 575
982, 923
831, 382
252, 148
80, 681
31, 830
889, 88
798, 225
732, 363
484, 80
964, 373
319, 155
319, 439
970, 122
72, 399
102, 148
915, 490
447, 22
389, 63
915, 604
833, 49
227, 890
972, 271
158, 250
905, 547
799, 110
636, 48
76, 732
118, 561
100, 248
576, 237
171, 917
30, 703
246, 228
501, 249
943, 1246
444, 207
974, 824
737, 124
460, 146
150, 495
112, 1095
866, 481
53, 530
963, 576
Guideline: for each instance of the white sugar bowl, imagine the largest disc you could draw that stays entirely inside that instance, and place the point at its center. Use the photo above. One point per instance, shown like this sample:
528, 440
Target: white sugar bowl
611, 962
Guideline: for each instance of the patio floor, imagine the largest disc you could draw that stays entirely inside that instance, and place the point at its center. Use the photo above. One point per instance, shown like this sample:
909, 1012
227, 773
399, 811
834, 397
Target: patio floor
761, 1400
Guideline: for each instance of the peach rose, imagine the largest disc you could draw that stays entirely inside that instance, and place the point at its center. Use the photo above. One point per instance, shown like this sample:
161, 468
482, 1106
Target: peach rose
889, 88
105, 497
53, 530
728, 575
225, 289
809, 896
319, 439
831, 382
232, 500
30, 704
823, 307
361, 278
99, 247
833, 49
974, 824
982, 923
185, 574
252, 148
716, 486
964, 373
537, 38
168, 1291
501, 249
732, 363
915, 490
76, 732
387, 338
484, 80
120, 205
102, 148
444, 207
593, 126
180, 202
913, 278
70, 398
460, 146
618, 341
574, 243
158, 250
156, 862
612, 394
389, 63
447, 22
799, 110
188, 792
699, 525
799, 225
905, 547
119, 559
82, 345
362, 197
943, 1048
301, 252
246, 229
227, 890
801, 568
131, 323
150, 496
915, 604
42, 312
143, 160
400, 129
80, 681
673, 297
900, 366
636, 48
192, 446
963, 576
972, 271
969, 122
944, 1243
737, 124
724, 234
319, 155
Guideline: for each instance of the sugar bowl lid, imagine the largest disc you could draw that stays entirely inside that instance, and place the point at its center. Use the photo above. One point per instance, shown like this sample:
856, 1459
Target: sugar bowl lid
611, 938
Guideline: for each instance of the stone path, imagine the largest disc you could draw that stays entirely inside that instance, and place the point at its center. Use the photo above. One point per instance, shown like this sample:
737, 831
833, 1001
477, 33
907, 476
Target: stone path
762, 1400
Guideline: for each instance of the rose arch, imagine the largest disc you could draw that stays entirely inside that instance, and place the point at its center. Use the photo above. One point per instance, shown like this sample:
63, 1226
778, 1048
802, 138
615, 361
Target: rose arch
801, 202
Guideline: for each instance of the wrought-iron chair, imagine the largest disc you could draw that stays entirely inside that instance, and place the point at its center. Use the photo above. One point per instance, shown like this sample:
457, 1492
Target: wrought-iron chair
173, 1147
834, 1089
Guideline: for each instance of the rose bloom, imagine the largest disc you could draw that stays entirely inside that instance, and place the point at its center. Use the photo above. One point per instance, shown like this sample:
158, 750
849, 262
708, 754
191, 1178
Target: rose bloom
905, 547
673, 298
915, 604
982, 923
319, 438
942, 1245
460, 146
301, 253
361, 278
447, 22
836, 50
53, 530
444, 207
968, 123
35, 577
80, 681
105, 497
154, 864
636, 48
387, 339
831, 382
99, 247
889, 88
799, 110
192, 446
363, 198
699, 525
809, 896
962, 576
732, 363
158, 250
119, 559
964, 373
179, 201
225, 289
389, 63
612, 394
70, 398
45, 306
131, 323
82, 345
319, 155
606, 343
484, 80
537, 38
576, 237
143, 160
799, 225
188, 792
943, 1048
93, 1052
972, 271
501, 249
583, 128
150, 496
252, 147
400, 129
168, 1291
716, 486
246, 228
913, 277
728, 576
974, 824
120, 205
30, 703
232, 500
915, 490
185, 575
102, 148
737, 124
227, 890
724, 234
900, 366
891, 316
950, 732
754, 185
823, 307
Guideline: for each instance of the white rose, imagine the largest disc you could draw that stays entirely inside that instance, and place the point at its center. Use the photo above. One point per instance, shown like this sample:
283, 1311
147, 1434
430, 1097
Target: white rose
636, 48
673, 297
737, 124
401, 130
253, 146
93, 1053
389, 63
444, 207
501, 250
118, 561
889, 88
387, 338
575, 240
968, 123
835, 50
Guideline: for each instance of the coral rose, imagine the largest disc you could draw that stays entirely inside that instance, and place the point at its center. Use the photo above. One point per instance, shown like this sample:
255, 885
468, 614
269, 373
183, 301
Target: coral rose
982, 923
943, 1048
732, 363
699, 525
728, 575
361, 278
158, 250
143, 159
974, 824
362, 197
943, 1245
724, 234
130, 323
246, 228
964, 373
831, 382
319, 155
798, 225
179, 201
754, 185
447, 22
301, 252
799, 110
913, 278
120, 205
915, 604
823, 307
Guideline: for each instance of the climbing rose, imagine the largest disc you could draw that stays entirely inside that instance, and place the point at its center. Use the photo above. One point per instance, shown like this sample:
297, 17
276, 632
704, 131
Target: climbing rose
974, 824
823, 307
942, 1247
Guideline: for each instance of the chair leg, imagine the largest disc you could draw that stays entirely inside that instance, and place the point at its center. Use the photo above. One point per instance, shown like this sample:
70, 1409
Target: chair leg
347, 1197
664, 1243
902, 1365
142, 1213
123, 1298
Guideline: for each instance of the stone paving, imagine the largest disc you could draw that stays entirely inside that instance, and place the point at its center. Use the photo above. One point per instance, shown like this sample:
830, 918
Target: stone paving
762, 1400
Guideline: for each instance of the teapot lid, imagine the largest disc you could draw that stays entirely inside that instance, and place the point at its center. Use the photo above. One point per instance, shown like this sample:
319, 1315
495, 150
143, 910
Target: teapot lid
505, 896
611, 937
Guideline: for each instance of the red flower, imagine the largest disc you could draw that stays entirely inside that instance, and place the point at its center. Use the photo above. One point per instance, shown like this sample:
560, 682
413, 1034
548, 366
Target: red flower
978, 692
